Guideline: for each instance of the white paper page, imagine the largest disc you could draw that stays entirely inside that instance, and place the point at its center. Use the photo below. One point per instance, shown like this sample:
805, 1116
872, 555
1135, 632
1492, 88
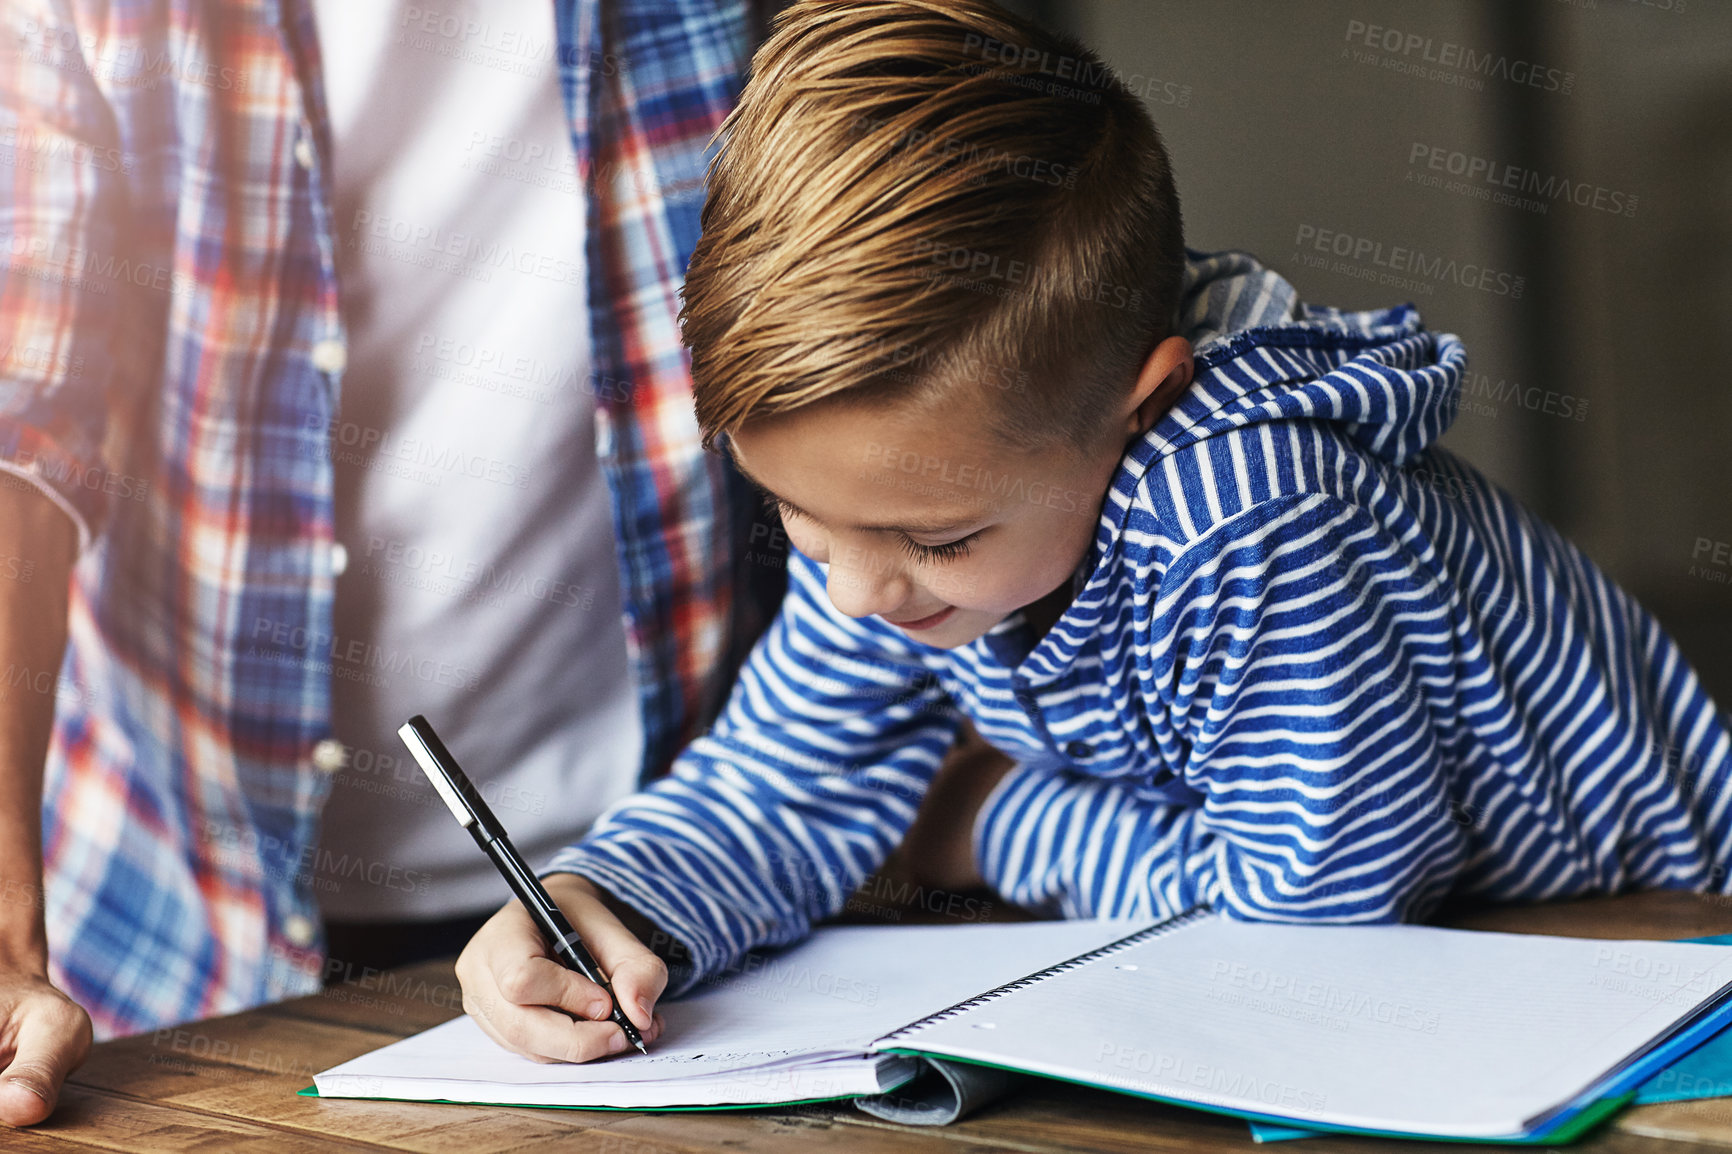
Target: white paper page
826, 998
457, 1060
1406, 1028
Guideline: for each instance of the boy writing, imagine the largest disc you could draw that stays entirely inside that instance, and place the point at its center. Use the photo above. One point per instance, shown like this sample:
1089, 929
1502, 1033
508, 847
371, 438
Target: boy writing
1180, 546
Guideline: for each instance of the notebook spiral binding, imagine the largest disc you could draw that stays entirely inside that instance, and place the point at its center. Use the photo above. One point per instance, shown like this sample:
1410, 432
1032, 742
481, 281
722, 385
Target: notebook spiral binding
1177, 921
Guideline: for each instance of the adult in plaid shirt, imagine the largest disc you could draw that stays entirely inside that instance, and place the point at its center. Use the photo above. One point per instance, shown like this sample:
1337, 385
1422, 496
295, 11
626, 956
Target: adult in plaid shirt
168, 380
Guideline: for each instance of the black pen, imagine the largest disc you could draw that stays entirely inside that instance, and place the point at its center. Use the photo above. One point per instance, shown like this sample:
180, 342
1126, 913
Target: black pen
472, 813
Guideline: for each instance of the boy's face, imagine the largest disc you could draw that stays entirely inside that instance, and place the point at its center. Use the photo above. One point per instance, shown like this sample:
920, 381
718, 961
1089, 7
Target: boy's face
928, 521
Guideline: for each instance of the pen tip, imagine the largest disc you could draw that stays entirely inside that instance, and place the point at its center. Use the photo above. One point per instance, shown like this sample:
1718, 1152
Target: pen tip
641, 1048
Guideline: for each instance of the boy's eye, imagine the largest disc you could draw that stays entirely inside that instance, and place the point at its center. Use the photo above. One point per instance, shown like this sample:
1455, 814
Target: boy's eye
949, 551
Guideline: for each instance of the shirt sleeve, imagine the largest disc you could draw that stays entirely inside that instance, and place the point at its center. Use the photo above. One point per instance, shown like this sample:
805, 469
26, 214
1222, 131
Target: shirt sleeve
809, 778
60, 293
1302, 655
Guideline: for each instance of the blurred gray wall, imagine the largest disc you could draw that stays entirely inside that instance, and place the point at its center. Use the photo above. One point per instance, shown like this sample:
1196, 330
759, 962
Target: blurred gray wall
1599, 343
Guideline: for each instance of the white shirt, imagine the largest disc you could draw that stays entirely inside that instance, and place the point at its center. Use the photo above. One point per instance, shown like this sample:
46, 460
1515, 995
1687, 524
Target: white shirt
476, 523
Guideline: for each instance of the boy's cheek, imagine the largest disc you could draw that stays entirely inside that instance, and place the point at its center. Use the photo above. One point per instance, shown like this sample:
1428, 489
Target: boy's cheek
809, 543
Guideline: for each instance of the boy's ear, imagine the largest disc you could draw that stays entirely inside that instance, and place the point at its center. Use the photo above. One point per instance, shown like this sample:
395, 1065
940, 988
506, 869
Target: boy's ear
1165, 374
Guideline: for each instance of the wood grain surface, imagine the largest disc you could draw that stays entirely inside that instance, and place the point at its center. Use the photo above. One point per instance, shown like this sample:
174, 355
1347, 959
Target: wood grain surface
229, 1084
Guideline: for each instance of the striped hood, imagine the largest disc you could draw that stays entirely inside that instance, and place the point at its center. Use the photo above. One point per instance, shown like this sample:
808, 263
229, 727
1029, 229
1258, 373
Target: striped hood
1264, 356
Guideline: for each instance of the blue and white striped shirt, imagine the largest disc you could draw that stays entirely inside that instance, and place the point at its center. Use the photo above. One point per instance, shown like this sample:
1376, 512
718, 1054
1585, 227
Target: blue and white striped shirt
1318, 669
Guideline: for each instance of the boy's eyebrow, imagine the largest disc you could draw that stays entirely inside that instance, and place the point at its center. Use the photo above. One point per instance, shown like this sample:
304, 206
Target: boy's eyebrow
920, 527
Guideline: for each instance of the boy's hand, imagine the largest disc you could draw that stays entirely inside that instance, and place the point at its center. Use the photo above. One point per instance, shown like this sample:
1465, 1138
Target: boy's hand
527, 1002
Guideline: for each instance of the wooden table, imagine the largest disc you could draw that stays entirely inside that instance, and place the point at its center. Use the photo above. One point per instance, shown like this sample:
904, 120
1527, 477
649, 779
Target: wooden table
228, 1084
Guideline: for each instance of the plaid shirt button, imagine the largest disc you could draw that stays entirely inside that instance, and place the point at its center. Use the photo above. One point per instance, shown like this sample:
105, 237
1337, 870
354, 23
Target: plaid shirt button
329, 756
299, 930
330, 356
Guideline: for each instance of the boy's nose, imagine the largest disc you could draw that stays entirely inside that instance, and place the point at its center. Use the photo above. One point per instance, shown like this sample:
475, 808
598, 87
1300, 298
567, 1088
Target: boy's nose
865, 581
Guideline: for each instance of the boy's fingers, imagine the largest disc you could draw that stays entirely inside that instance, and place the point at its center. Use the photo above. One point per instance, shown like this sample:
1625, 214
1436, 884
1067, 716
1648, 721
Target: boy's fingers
546, 1035
637, 983
541, 981
509, 956
637, 975
527, 1001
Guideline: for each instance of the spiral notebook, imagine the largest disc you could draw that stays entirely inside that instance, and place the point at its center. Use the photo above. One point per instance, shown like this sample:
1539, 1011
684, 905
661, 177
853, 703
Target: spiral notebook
1406, 1030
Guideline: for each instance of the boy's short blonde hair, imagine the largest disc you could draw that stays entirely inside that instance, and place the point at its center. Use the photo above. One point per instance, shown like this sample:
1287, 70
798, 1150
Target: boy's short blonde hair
919, 195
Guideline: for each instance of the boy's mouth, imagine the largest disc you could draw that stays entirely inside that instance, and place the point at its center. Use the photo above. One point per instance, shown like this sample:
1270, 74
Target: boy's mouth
929, 622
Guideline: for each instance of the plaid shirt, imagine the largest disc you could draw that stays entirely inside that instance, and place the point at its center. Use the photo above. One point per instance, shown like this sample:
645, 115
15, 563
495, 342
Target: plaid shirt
169, 366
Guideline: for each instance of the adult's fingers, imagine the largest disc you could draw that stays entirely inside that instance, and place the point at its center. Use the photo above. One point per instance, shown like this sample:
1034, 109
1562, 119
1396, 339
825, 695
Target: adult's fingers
50, 1036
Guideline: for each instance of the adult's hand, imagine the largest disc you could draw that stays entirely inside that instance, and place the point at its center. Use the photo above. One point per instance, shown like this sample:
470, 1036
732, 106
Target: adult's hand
525, 1000
44, 1035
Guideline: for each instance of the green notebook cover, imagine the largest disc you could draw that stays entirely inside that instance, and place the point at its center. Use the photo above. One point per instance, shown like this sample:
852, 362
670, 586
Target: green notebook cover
313, 1092
1569, 1131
